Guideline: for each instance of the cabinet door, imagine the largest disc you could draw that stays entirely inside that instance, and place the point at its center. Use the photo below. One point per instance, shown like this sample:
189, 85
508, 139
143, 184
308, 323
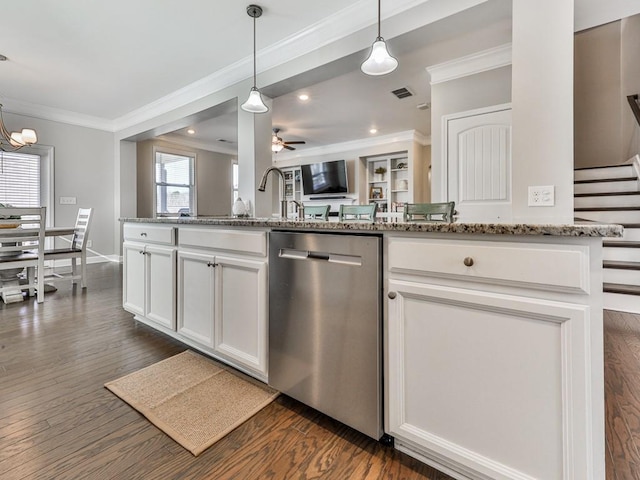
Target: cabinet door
241, 306
196, 282
480, 380
161, 285
133, 291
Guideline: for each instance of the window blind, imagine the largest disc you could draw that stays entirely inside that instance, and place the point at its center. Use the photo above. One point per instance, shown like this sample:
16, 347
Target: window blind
174, 183
20, 179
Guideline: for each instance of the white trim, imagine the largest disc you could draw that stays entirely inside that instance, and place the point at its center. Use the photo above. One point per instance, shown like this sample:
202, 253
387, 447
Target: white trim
19, 107
471, 64
406, 136
444, 176
185, 142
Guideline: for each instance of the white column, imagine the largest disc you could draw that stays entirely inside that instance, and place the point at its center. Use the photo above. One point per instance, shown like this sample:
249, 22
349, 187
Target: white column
542, 99
254, 157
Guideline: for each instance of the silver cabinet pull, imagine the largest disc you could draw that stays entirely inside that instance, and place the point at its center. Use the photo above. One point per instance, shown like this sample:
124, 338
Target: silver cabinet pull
143, 234
468, 261
211, 264
392, 295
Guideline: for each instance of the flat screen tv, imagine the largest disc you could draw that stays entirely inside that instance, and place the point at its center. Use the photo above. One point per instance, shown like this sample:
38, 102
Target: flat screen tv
326, 178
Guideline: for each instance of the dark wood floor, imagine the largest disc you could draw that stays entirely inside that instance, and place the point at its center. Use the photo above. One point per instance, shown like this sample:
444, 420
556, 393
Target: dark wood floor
58, 422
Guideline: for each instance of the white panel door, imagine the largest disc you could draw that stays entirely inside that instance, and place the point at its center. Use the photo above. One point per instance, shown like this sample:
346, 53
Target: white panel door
241, 311
479, 166
196, 281
161, 285
133, 291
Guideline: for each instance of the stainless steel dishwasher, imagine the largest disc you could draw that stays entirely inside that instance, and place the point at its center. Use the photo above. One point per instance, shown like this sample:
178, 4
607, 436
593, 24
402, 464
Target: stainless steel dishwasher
325, 324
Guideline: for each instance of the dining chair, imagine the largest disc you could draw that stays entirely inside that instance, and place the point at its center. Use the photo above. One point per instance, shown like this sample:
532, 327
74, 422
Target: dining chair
21, 246
317, 212
76, 250
357, 213
429, 212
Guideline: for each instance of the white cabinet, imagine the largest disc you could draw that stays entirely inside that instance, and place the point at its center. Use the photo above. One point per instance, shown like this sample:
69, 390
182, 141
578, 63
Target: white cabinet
149, 282
222, 295
494, 358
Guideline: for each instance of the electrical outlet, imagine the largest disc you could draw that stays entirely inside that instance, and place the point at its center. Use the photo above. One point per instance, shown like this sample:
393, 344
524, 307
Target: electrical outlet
89, 243
543, 196
67, 200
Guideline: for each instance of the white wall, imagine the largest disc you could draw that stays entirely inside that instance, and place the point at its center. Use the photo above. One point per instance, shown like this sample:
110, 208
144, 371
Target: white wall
84, 169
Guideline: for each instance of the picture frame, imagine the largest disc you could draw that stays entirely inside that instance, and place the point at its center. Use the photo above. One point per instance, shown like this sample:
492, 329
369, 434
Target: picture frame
375, 192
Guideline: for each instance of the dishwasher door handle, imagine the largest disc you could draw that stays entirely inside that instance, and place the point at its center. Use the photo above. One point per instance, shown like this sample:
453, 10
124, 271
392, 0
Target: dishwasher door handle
292, 253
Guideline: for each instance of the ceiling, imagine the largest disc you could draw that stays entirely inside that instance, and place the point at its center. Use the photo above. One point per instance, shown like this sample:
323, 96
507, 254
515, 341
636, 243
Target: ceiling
105, 60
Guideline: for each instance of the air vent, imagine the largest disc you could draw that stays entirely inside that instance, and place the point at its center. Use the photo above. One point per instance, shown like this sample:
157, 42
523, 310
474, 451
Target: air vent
402, 92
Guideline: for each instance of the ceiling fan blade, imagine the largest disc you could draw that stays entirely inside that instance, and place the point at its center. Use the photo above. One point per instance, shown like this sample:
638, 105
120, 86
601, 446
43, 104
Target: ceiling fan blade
288, 147
294, 143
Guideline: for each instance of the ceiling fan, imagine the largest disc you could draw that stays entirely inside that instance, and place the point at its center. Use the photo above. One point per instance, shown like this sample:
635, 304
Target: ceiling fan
277, 144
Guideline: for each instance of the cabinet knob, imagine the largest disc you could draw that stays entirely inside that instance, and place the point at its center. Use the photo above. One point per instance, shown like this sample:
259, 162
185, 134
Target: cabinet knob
392, 295
468, 261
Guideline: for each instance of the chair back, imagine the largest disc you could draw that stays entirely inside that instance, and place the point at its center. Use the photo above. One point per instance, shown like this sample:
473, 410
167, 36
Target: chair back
21, 233
357, 213
429, 212
317, 212
81, 230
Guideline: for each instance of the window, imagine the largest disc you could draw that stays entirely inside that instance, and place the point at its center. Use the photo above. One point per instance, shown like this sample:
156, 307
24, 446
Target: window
174, 179
235, 183
20, 179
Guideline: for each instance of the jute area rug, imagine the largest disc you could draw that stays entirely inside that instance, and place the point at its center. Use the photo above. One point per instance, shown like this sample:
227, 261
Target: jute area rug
192, 399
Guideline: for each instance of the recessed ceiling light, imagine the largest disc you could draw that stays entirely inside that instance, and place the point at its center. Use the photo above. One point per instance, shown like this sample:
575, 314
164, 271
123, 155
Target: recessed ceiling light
304, 97
191, 131
373, 130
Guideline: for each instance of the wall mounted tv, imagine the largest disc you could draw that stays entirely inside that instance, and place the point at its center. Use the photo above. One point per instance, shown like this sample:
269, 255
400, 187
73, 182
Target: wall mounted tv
326, 178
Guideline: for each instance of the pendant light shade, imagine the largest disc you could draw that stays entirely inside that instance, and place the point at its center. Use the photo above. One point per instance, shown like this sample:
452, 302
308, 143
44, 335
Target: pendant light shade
380, 61
10, 142
254, 103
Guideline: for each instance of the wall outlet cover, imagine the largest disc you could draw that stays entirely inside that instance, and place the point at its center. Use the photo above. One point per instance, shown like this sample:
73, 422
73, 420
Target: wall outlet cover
67, 200
542, 196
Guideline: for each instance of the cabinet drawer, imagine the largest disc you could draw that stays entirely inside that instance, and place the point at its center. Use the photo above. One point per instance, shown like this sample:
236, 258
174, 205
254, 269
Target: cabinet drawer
542, 266
149, 233
241, 241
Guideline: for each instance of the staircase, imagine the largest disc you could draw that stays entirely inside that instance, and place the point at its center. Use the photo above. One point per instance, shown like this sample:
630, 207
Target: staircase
612, 195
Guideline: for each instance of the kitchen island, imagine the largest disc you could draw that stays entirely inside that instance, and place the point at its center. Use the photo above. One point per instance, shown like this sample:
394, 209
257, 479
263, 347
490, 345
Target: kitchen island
492, 333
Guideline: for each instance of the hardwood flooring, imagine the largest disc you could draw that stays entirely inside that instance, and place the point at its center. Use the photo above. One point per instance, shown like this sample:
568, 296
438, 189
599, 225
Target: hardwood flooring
57, 421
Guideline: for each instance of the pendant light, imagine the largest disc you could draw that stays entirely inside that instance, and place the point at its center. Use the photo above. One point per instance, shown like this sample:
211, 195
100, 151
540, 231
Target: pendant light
380, 61
254, 103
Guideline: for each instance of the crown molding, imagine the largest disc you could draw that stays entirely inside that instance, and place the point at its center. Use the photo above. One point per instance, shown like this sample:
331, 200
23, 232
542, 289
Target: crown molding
42, 112
471, 64
360, 144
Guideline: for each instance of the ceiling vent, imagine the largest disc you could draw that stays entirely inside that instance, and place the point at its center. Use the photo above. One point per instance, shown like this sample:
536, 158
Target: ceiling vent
402, 92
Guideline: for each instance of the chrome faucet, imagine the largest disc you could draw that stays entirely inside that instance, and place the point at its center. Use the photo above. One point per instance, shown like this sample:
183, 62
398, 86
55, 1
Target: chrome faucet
299, 208
263, 185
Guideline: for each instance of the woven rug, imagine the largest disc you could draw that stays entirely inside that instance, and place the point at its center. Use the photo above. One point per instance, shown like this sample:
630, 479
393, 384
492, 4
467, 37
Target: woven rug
193, 399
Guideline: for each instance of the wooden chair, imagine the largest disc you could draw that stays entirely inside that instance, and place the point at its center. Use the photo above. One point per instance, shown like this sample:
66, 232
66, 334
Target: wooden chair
22, 246
357, 213
429, 212
317, 212
76, 250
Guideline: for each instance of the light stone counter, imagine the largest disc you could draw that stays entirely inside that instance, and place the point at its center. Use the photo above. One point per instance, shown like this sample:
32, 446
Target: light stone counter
565, 230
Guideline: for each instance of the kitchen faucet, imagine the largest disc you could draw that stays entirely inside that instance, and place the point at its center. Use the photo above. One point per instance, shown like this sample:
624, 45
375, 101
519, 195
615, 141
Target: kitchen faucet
299, 208
263, 185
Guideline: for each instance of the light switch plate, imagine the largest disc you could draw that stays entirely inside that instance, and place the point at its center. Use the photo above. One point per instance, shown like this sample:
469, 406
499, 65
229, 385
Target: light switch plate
542, 196
67, 200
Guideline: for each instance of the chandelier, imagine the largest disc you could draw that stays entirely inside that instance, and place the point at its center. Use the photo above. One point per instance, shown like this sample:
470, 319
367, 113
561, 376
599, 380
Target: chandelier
10, 142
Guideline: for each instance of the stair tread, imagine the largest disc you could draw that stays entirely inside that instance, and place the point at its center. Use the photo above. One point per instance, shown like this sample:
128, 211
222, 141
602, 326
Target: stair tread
621, 265
626, 165
603, 180
607, 194
621, 244
619, 288
630, 225
606, 209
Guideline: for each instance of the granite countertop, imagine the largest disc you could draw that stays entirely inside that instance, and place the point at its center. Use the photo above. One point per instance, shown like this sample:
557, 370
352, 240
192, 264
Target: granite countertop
585, 229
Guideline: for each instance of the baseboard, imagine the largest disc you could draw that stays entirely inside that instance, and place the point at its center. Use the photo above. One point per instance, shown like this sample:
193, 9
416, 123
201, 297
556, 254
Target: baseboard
90, 260
621, 302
